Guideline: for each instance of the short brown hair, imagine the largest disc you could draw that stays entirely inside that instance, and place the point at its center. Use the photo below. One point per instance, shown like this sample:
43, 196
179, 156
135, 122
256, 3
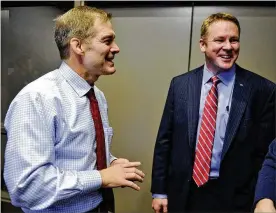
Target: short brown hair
77, 22
218, 17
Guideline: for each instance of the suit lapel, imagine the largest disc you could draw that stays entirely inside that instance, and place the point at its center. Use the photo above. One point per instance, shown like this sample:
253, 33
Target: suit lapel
194, 92
240, 97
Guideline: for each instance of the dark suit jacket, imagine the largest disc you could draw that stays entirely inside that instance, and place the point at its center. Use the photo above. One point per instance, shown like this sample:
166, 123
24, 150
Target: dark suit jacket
266, 185
250, 130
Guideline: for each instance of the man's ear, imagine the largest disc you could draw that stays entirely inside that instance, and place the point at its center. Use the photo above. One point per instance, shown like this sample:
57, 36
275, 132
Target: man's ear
202, 45
76, 46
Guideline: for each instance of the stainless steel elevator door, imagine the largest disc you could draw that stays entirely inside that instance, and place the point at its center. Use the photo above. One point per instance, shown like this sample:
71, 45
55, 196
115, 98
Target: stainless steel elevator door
154, 45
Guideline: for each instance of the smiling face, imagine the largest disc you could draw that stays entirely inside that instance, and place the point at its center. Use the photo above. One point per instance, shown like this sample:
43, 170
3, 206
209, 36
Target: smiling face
221, 45
100, 50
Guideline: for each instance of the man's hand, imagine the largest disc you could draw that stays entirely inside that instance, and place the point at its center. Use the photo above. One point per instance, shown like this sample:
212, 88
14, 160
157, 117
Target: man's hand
160, 205
119, 161
121, 175
265, 205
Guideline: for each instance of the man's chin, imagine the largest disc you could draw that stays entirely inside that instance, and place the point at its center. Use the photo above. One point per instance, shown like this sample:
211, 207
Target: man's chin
109, 72
225, 66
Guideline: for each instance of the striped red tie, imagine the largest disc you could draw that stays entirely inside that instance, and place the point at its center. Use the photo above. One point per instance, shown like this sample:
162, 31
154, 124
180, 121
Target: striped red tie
205, 142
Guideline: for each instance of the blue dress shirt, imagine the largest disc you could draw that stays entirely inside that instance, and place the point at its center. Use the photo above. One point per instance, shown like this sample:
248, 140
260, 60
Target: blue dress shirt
50, 159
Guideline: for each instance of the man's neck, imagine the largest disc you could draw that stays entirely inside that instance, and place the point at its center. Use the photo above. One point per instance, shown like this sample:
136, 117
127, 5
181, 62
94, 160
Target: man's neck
214, 69
81, 71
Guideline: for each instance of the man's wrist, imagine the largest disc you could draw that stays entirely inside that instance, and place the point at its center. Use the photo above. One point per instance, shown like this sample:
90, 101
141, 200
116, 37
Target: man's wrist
159, 196
113, 161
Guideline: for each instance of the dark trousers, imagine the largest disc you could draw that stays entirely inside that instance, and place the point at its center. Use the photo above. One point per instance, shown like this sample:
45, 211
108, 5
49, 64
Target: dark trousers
107, 205
205, 198
100, 209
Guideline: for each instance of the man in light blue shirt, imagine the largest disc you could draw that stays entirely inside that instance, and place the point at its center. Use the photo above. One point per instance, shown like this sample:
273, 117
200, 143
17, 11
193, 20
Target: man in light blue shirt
225, 89
50, 158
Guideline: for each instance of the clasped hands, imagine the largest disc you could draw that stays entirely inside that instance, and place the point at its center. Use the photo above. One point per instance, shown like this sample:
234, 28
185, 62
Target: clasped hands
122, 173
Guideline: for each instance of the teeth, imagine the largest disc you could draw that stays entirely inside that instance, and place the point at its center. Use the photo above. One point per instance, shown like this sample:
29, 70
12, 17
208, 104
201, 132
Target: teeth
225, 56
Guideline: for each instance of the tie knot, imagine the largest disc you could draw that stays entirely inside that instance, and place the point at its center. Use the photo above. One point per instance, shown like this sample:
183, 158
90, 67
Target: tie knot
91, 94
215, 80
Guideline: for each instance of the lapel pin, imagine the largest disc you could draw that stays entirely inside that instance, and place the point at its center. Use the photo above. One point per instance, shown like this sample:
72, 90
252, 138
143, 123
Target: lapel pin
241, 85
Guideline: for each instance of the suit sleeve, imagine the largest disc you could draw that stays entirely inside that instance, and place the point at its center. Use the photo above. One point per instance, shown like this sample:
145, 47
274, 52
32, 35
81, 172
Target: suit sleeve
266, 129
163, 146
266, 185
266, 133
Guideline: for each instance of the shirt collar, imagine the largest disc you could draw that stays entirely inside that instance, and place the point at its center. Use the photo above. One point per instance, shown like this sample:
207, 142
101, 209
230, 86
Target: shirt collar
79, 85
225, 77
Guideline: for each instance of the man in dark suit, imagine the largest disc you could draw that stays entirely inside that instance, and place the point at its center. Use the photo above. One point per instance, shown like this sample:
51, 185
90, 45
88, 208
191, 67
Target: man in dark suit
265, 194
217, 124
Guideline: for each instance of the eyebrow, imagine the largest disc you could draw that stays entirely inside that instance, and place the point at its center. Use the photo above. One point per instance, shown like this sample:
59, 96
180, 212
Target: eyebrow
108, 37
222, 37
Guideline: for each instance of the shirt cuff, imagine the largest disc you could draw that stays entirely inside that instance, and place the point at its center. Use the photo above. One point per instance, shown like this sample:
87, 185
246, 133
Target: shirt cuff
90, 180
112, 158
160, 196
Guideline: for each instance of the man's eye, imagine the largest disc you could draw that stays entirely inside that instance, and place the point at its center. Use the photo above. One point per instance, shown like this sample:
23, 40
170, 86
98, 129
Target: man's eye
107, 41
218, 40
234, 40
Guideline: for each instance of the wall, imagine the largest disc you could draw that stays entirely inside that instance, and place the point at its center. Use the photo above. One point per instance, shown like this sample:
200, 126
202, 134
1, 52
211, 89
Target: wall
154, 45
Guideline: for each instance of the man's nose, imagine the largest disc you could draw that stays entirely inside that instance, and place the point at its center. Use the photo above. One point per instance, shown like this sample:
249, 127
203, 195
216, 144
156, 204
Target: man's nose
227, 45
115, 48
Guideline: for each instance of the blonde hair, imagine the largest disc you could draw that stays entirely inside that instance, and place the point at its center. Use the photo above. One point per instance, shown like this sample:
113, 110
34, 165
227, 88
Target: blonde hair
218, 17
76, 23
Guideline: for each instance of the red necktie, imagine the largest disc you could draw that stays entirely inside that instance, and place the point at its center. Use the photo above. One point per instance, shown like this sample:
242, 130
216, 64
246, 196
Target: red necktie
100, 143
205, 143
107, 193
